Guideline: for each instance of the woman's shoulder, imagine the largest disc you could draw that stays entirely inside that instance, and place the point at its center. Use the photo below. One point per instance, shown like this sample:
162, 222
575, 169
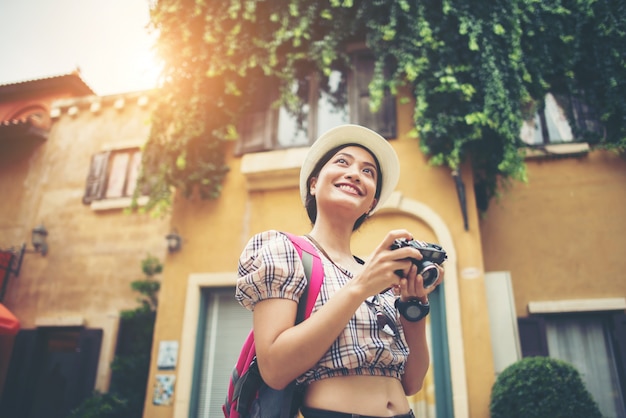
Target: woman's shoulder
268, 237
270, 242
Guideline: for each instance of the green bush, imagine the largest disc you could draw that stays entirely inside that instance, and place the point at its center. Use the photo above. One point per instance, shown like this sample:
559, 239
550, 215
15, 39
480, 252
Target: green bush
541, 387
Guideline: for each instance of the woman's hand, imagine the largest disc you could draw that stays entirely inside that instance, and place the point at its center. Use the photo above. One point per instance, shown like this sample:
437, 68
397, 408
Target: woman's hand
387, 268
412, 286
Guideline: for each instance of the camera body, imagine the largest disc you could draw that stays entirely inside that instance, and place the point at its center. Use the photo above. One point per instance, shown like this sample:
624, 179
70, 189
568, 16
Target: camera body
432, 254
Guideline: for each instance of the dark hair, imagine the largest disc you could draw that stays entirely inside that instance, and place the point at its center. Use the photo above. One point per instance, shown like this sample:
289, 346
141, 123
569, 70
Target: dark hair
310, 203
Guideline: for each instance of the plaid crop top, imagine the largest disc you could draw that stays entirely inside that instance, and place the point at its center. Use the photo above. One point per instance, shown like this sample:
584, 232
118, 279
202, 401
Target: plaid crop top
269, 267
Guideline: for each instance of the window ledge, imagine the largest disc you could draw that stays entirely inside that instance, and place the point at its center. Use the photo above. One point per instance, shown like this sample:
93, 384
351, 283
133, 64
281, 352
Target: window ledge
557, 150
577, 305
119, 203
60, 321
270, 170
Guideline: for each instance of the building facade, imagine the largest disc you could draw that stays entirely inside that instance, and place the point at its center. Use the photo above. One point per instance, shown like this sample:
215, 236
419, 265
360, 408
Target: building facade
67, 164
526, 273
538, 272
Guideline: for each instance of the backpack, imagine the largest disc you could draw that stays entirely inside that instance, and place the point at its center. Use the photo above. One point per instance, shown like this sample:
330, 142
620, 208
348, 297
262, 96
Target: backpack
248, 396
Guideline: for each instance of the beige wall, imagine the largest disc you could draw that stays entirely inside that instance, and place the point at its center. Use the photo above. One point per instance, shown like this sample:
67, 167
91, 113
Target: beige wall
93, 255
215, 232
563, 234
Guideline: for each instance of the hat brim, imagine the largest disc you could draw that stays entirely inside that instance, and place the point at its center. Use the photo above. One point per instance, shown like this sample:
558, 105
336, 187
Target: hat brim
360, 135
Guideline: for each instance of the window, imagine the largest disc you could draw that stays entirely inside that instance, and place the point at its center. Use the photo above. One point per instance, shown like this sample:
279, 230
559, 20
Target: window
550, 124
346, 100
52, 370
595, 343
223, 326
112, 175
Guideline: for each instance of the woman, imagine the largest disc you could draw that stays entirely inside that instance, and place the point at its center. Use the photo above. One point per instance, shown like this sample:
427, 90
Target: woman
356, 354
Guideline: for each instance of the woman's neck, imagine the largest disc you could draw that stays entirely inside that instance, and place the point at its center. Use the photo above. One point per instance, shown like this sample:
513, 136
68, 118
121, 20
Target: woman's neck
335, 239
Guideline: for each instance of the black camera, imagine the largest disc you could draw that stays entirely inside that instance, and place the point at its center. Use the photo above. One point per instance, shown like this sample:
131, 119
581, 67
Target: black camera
432, 254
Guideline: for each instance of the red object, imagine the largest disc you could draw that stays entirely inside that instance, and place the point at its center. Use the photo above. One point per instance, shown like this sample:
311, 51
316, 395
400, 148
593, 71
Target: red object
9, 324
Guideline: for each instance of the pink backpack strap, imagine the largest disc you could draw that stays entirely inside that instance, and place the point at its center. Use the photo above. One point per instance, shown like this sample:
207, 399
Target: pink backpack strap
309, 254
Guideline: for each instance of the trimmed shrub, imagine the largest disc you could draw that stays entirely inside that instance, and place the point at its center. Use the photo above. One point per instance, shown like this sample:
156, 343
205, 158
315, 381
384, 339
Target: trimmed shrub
541, 387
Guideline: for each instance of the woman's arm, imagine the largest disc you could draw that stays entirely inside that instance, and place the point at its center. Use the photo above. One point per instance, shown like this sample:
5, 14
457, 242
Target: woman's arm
285, 351
419, 357
415, 332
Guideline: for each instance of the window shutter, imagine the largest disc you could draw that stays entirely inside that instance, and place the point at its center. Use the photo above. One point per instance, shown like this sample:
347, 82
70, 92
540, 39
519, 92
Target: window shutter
96, 178
586, 119
257, 128
117, 174
226, 327
383, 121
502, 319
90, 341
619, 336
133, 173
532, 332
256, 131
26, 361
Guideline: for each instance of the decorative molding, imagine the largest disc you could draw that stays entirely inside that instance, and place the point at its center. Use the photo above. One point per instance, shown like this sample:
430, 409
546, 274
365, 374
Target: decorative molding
273, 169
577, 305
95, 104
118, 203
95, 107
60, 321
574, 149
195, 283
397, 203
119, 103
142, 101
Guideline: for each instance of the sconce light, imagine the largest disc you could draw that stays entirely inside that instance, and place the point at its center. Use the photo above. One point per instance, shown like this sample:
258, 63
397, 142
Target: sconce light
39, 240
174, 241
40, 246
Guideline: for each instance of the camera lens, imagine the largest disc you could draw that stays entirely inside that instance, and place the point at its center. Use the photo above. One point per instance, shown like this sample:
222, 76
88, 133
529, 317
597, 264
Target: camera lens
430, 273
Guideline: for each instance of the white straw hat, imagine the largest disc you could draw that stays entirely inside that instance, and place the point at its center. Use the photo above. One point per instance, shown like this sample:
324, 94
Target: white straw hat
354, 134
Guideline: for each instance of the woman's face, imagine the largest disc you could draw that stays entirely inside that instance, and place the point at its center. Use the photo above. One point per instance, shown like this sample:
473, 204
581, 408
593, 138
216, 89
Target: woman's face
347, 180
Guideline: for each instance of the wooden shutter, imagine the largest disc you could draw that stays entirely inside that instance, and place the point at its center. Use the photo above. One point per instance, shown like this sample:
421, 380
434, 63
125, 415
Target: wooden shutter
384, 120
96, 178
502, 319
90, 342
257, 129
134, 169
619, 337
26, 361
226, 326
532, 333
117, 174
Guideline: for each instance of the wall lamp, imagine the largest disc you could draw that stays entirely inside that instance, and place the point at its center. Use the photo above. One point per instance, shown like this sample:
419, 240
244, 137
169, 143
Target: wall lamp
14, 264
174, 242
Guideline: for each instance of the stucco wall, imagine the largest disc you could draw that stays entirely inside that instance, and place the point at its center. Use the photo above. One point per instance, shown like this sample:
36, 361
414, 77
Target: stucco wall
214, 233
561, 235
93, 255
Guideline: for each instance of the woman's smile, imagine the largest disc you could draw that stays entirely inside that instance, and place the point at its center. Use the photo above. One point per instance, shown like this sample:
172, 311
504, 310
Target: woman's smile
349, 188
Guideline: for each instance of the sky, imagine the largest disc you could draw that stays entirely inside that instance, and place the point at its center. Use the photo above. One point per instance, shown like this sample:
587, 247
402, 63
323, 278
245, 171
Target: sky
107, 40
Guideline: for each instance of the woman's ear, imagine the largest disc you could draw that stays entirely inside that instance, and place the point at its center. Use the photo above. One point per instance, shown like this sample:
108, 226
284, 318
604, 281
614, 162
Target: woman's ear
312, 185
373, 206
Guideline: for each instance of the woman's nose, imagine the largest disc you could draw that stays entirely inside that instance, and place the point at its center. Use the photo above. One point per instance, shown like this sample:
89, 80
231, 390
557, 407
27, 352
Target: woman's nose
353, 174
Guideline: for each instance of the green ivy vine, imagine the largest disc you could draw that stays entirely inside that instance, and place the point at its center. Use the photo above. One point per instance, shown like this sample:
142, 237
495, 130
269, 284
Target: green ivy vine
475, 68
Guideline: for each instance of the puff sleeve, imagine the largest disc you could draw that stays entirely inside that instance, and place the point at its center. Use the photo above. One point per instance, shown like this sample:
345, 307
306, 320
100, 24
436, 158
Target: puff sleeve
269, 267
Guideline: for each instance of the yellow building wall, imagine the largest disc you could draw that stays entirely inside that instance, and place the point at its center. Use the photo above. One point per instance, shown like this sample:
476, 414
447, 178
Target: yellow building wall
93, 255
562, 235
215, 232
